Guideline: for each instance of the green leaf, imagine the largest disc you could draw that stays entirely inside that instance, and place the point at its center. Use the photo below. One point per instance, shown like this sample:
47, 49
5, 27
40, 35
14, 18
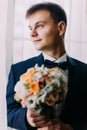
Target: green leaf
26, 86
41, 109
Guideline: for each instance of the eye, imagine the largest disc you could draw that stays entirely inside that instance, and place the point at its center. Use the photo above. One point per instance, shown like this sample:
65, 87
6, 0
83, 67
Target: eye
40, 26
30, 28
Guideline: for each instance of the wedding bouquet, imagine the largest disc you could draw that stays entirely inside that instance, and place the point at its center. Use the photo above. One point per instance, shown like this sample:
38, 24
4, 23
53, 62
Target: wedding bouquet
41, 88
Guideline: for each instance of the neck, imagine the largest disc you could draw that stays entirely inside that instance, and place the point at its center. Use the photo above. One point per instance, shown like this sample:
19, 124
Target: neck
57, 51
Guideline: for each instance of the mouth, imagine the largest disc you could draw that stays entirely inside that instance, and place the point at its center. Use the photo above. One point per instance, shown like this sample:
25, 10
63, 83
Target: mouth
36, 41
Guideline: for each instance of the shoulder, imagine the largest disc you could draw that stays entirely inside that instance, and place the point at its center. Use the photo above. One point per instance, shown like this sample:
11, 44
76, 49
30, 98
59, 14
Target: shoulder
29, 62
78, 70
77, 62
79, 67
21, 67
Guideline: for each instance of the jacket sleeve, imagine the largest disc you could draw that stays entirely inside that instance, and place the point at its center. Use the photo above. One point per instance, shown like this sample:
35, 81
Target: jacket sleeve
16, 115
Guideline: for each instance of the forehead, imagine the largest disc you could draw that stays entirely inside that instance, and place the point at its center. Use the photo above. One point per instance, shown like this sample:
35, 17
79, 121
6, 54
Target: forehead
41, 15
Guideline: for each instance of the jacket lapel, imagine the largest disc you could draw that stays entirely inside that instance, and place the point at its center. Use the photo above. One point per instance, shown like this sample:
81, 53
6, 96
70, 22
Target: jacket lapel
39, 60
73, 72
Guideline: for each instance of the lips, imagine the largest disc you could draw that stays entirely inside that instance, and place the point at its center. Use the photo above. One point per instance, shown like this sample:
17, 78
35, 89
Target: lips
37, 40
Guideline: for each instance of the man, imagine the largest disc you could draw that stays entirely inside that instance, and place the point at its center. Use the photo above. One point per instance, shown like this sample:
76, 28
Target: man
47, 25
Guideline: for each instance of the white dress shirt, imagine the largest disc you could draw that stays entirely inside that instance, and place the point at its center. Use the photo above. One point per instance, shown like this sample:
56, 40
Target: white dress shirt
61, 59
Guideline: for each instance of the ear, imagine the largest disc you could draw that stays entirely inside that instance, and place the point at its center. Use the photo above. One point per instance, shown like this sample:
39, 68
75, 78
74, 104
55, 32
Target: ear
61, 28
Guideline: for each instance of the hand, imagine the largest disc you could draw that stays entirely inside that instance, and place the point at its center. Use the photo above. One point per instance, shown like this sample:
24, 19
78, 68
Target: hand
50, 127
34, 119
56, 124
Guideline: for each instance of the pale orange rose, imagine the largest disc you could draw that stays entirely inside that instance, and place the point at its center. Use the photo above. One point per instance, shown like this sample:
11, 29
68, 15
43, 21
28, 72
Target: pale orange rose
34, 87
31, 71
27, 76
23, 76
28, 80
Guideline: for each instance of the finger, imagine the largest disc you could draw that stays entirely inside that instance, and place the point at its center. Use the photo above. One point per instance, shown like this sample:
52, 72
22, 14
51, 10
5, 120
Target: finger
39, 119
40, 123
51, 123
43, 128
47, 123
32, 113
57, 127
39, 129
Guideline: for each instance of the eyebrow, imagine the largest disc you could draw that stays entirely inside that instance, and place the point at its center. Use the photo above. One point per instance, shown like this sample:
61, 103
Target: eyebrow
37, 23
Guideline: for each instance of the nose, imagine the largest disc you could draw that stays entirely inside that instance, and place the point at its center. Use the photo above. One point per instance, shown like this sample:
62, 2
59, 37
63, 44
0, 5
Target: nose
33, 33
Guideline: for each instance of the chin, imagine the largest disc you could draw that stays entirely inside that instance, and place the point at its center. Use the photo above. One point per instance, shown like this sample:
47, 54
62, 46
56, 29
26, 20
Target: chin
39, 48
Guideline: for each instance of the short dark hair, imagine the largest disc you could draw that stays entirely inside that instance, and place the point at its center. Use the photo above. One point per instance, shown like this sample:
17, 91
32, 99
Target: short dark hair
57, 12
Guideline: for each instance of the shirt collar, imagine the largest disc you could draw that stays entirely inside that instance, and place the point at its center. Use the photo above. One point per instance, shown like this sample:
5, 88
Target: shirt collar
61, 59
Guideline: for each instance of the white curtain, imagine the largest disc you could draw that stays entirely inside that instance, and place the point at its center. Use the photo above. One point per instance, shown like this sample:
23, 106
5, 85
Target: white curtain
6, 43
15, 42
3, 11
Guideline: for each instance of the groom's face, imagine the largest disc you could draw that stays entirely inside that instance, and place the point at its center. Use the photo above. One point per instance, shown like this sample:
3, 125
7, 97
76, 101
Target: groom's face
43, 30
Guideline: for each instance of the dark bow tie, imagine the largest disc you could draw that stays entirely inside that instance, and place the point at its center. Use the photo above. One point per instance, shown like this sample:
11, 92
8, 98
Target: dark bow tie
51, 64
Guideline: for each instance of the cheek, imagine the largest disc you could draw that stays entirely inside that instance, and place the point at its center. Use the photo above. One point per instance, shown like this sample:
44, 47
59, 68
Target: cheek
46, 33
50, 35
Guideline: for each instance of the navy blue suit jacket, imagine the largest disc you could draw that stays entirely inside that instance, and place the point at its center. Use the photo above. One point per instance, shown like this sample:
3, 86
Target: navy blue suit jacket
74, 110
